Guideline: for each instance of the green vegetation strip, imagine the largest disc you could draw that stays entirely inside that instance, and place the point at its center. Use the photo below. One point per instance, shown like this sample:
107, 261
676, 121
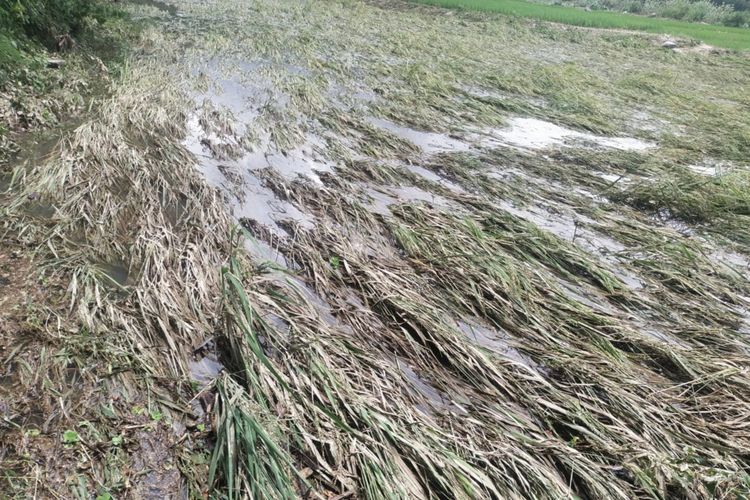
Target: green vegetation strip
730, 38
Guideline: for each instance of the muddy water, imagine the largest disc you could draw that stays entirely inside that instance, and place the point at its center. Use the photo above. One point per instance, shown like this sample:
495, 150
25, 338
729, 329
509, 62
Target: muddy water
745, 326
205, 369
246, 194
611, 178
380, 199
521, 132
117, 272
589, 298
304, 161
566, 224
577, 229
265, 252
531, 133
436, 398
494, 340
35, 150
433, 177
241, 96
711, 168
261, 204
427, 142
235, 98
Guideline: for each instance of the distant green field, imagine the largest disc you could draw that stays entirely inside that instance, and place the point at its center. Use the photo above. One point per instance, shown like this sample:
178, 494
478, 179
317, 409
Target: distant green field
720, 36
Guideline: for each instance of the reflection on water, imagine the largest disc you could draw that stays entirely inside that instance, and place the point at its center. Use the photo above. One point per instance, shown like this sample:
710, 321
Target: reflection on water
428, 142
531, 133
205, 369
494, 340
381, 198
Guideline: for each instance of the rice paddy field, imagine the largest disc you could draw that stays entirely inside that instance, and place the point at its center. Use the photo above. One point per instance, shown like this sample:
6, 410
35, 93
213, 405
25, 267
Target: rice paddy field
352, 249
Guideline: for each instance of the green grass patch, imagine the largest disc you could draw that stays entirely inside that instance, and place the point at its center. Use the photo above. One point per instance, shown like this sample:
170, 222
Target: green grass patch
28, 29
727, 37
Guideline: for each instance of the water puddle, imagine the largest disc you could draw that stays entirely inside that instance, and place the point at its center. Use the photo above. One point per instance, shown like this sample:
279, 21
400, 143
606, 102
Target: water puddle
312, 298
745, 326
116, 272
241, 99
594, 242
682, 228
223, 135
350, 98
424, 173
581, 296
279, 324
709, 171
597, 243
627, 277
305, 160
647, 122
727, 257
205, 365
611, 178
509, 174
205, 369
572, 227
261, 204
381, 198
433, 177
658, 334
423, 387
531, 133
664, 337
210, 138
264, 252
711, 168
565, 228
241, 93
732, 260
248, 197
428, 142
495, 341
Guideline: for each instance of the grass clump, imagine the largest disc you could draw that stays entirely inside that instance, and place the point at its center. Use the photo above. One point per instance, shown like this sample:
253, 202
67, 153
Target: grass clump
719, 202
246, 459
694, 197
